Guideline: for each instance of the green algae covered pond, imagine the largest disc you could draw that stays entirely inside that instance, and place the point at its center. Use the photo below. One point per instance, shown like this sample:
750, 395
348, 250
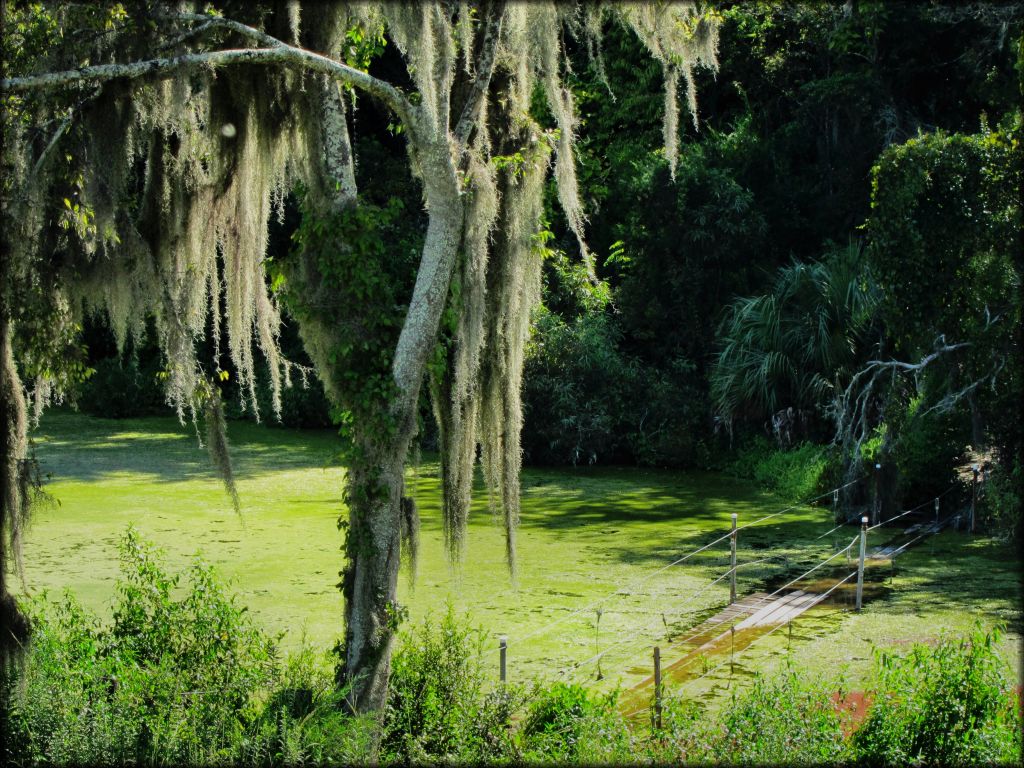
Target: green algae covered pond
593, 538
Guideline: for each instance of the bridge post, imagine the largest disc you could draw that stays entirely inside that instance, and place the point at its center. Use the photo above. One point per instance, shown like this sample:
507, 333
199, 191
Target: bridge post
657, 687
974, 495
503, 649
732, 562
860, 563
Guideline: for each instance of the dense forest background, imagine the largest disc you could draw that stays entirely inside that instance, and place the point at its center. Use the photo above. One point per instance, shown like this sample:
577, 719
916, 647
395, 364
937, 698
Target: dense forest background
849, 194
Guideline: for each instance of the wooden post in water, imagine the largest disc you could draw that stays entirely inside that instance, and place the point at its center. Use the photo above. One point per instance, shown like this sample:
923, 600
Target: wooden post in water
936, 509
974, 495
657, 687
732, 650
503, 649
860, 563
732, 562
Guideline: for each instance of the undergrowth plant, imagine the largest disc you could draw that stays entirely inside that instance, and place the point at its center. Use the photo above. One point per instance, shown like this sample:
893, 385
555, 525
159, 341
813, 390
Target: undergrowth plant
567, 723
796, 474
439, 706
951, 704
172, 678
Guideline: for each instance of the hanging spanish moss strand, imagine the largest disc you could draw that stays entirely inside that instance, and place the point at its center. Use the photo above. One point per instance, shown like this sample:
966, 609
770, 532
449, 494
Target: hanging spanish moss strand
217, 155
478, 401
514, 287
457, 401
217, 442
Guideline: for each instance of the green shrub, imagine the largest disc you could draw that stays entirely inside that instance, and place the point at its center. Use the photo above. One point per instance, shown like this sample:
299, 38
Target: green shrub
569, 723
926, 449
120, 391
948, 704
795, 475
170, 679
785, 719
436, 705
1000, 501
305, 719
588, 401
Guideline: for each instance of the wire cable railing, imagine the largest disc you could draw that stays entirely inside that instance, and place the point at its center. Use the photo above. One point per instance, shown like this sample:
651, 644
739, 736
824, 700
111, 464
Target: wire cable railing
638, 635
630, 589
922, 505
732, 658
640, 638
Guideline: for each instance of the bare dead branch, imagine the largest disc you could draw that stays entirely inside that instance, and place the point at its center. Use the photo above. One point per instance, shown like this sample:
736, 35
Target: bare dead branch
278, 52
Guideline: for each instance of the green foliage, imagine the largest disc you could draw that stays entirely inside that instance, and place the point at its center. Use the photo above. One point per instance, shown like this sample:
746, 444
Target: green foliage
587, 399
364, 265
785, 719
437, 708
171, 679
305, 719
945, 212
789, 347
121, 390
927, 447
568, 723
945, 249
1000, 503
796, 474
950, 704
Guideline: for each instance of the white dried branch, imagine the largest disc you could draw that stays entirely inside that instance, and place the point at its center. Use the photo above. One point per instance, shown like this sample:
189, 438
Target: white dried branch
278, 52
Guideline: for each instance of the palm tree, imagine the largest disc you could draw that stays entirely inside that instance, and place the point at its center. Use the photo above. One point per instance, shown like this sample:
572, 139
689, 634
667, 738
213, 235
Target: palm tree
781, 354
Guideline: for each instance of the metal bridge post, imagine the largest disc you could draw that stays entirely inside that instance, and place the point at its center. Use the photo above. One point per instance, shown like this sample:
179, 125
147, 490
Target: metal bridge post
732, 562
974, 495
657, 687
860, 563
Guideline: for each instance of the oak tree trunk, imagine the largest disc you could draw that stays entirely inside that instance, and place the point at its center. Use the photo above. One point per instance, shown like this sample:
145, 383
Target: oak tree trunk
14, 625
376, 477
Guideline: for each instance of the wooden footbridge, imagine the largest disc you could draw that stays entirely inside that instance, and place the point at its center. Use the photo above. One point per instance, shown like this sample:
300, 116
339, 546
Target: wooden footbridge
761, 613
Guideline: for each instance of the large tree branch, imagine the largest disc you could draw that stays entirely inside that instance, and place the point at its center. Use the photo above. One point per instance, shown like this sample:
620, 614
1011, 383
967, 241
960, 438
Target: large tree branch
852, 406
277, 53
484, 69
245, 30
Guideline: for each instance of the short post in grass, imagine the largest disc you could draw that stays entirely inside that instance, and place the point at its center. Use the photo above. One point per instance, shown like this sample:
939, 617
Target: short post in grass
876, 507
732, 562
597, 642
974, 494
835, 506
657, 688
503, 652
732, 650
860, 562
